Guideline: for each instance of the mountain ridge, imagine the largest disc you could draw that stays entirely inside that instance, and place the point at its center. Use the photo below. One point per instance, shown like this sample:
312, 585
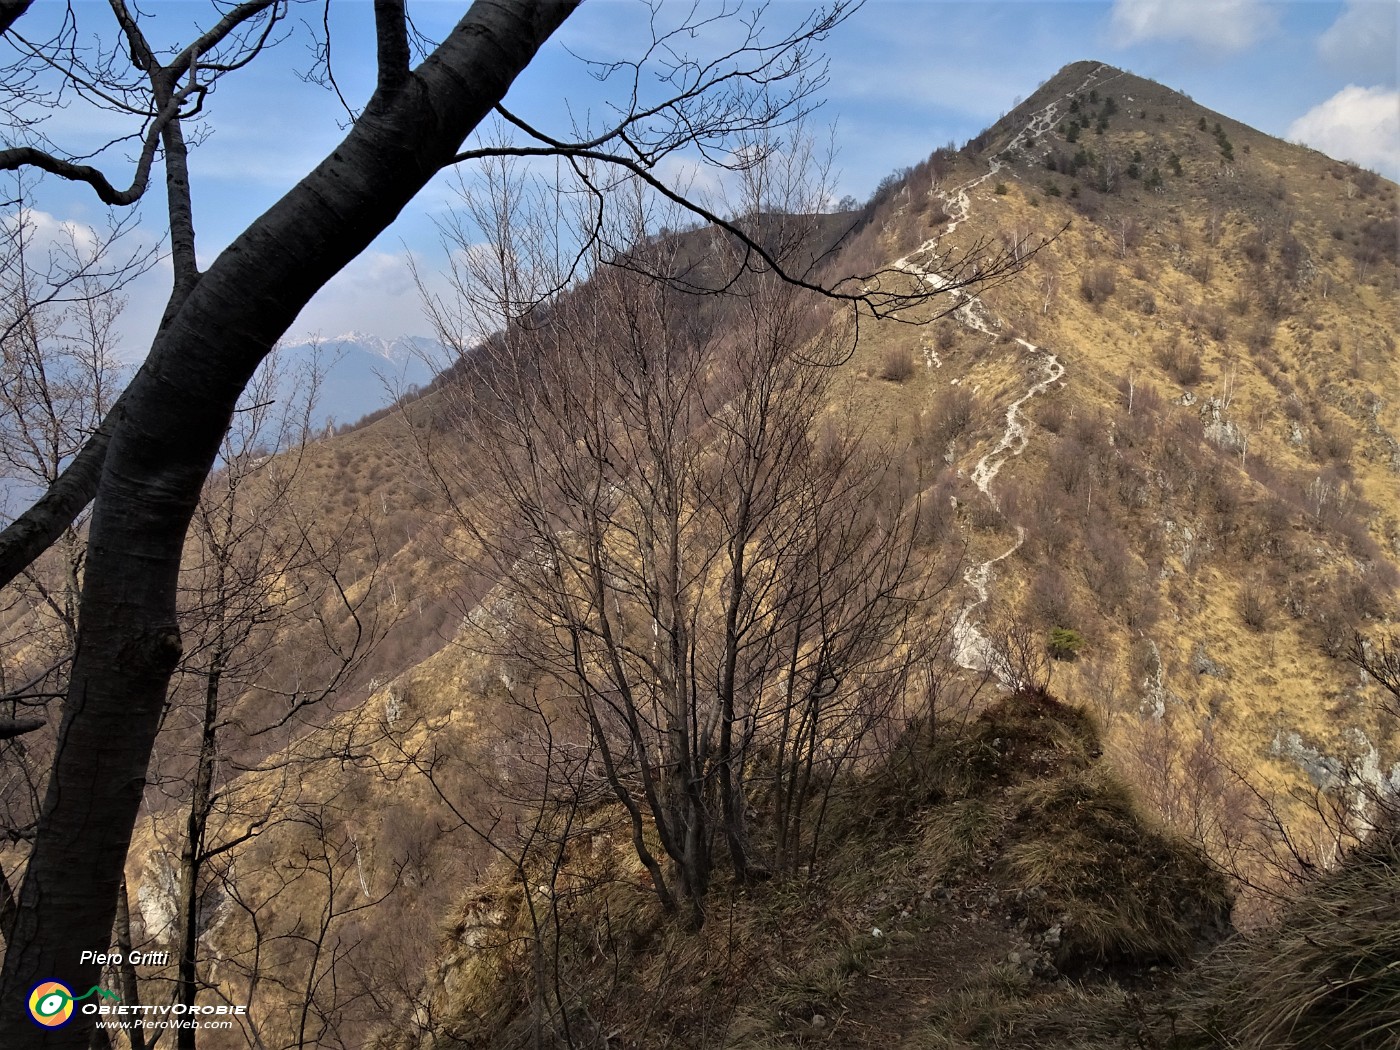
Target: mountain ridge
1168, 438
1221, 328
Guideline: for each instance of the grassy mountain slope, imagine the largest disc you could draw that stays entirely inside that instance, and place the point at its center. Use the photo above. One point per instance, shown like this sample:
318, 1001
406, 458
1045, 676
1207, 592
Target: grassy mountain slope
1207, 493
1172, 436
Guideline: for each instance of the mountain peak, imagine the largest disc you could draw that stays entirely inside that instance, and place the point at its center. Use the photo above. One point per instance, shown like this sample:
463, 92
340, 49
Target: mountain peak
1090, 113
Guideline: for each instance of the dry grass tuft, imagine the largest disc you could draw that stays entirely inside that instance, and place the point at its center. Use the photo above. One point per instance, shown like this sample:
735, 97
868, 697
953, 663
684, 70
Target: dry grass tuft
1030, 734
1326, 975
1120, 894
898, 364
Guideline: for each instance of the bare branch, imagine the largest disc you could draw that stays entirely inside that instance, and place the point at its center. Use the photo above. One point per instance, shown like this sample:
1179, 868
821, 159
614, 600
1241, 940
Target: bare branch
1380, 660
168, 101
141, 56
25, 689
35, 531
882, 301
391, 36
208, 41
28, 156
13, 727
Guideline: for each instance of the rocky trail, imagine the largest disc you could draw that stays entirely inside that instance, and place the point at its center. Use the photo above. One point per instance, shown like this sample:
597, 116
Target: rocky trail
972, 649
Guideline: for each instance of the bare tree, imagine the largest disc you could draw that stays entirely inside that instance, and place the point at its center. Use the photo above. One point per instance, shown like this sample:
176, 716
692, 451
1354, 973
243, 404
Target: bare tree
252, 568
719, 578
1049, 290
303, 929
146, 465
531, 802
1019, 657
256, 573
60, 296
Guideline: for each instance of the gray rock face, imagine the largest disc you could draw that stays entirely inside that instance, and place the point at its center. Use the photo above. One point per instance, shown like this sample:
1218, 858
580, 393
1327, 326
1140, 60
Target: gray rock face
1154, 698
1360, 776
1221, 432
158, 901
1201, 663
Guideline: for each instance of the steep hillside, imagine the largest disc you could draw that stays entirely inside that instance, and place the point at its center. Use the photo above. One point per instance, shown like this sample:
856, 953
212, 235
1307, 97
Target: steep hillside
988, 867
1199, 467
1155, 474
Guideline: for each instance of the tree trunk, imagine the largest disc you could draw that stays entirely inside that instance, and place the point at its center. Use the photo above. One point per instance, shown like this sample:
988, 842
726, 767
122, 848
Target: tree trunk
176, 412
192, 855
10, 11
8, 906
126, 972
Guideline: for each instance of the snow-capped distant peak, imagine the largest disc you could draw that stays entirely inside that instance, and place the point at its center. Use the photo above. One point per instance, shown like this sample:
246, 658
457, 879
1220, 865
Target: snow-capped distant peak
396, 349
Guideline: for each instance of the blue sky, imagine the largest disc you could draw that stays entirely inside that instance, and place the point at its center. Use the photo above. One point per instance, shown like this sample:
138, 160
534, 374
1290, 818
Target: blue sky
907, 76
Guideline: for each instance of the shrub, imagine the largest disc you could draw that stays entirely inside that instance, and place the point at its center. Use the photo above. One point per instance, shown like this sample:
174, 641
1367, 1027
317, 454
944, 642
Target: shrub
1254, 608
1334, 442
1052, 415
1050, 600
1207, 318
1323, 975
898, 364
984, 516
1001, 189
1260, 337
1181, 362
1255, 248
954, 414
1097, 285
1111, 571
1065, 643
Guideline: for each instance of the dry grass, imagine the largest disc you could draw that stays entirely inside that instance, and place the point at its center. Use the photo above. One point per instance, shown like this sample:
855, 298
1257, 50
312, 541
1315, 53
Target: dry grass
1011, 806
1121, 893
1326, 975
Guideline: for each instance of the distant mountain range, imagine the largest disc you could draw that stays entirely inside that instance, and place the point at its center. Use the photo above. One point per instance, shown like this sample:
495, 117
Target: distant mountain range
365, 372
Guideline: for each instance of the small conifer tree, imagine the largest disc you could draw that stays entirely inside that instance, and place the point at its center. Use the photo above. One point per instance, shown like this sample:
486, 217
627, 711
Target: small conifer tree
1065, 643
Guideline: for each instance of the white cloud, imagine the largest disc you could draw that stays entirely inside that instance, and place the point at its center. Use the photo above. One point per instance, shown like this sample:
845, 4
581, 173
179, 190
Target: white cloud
121, 256
1362, 41
1357, 124
1221, 25
375, 293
